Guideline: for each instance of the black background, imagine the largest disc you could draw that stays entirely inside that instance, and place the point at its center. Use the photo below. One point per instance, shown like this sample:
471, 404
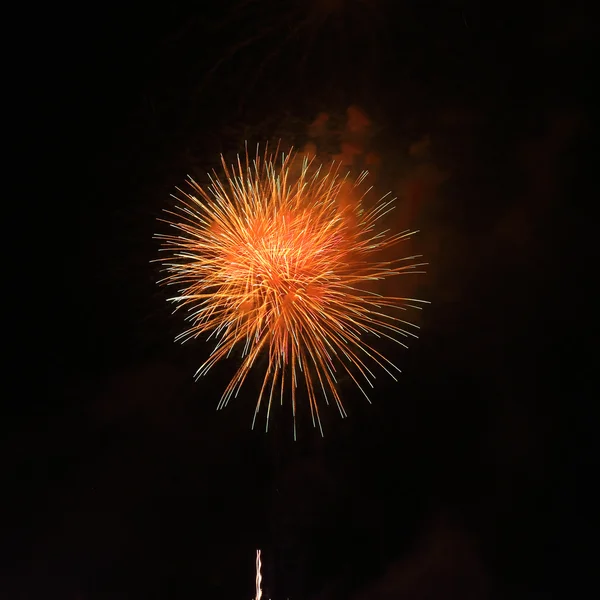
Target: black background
467, 479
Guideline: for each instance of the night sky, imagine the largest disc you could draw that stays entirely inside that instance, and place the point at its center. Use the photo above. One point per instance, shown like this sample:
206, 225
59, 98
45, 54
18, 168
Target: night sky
467, 478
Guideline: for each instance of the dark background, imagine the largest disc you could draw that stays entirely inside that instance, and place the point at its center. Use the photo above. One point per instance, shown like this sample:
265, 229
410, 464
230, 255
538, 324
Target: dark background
468, 478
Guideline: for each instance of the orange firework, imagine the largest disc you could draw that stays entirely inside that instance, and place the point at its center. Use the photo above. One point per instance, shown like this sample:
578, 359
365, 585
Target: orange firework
280, 259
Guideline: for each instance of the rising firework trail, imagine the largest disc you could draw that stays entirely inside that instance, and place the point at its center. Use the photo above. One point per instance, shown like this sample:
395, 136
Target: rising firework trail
258, 577
282, 258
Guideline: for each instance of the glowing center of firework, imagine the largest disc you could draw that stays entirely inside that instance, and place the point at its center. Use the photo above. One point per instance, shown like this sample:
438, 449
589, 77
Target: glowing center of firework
281, 260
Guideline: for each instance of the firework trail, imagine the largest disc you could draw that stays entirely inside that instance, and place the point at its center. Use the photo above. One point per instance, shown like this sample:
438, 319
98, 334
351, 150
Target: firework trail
279, 258
258, 577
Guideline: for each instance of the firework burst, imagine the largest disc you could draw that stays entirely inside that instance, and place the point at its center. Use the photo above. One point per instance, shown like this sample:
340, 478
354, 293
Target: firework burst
281, 259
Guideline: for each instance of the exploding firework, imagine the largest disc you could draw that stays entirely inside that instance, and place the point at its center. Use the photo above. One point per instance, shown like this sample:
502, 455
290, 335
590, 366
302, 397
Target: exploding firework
280, 259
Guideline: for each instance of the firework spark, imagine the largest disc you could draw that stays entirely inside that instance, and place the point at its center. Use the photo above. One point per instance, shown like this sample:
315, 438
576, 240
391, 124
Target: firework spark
279, 259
